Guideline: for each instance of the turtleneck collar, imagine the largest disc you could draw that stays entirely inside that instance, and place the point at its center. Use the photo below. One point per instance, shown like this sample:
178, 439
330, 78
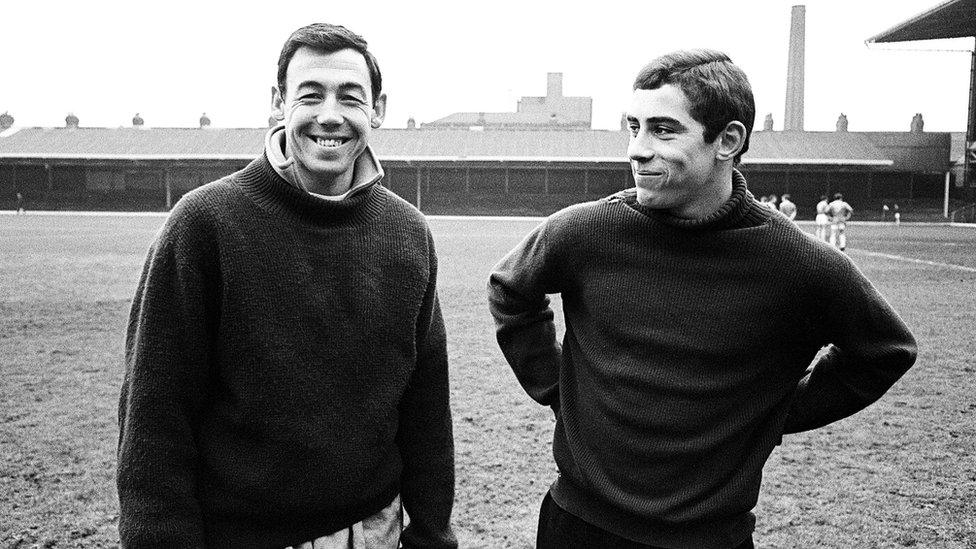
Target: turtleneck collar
272, 193
740, 211
366, 171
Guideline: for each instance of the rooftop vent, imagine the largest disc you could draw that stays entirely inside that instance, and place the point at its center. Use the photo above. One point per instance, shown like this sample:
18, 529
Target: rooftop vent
918, 125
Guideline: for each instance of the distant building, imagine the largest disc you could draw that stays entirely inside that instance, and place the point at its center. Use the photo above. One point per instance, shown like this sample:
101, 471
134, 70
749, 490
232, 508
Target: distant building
533, 113
453, 170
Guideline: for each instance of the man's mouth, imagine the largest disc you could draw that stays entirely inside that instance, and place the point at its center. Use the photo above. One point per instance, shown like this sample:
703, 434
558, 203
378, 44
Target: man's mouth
331, 142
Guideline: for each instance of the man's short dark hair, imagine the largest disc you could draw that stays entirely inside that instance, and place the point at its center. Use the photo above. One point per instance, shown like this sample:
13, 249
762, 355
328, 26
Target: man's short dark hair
326, 38
717, 89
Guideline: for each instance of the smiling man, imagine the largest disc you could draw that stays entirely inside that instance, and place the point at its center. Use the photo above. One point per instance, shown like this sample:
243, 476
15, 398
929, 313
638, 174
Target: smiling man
286, 378
701, 326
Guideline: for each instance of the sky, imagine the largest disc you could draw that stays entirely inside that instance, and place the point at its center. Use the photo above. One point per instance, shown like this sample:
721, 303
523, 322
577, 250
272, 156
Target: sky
105, 60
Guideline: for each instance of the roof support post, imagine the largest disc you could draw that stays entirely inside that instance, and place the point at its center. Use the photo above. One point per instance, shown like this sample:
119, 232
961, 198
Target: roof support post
420, 171
969, 162
169, 189
945, 201
506, 179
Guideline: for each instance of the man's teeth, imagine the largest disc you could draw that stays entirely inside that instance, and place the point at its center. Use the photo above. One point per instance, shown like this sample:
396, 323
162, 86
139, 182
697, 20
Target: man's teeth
328, 142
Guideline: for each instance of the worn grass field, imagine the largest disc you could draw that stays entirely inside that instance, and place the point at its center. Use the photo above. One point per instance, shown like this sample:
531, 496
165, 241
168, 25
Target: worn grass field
900, 474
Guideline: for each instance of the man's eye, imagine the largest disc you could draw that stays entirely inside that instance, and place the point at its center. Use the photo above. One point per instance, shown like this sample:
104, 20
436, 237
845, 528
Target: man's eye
309, 97
634, 128
663, 130
353, 99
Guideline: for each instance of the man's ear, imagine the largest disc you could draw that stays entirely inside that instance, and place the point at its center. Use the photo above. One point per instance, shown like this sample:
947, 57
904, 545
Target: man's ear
277, 104
731, 140
378, 112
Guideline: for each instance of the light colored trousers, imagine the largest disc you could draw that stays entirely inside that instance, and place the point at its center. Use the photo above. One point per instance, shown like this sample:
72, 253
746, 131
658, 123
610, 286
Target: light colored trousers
379, 531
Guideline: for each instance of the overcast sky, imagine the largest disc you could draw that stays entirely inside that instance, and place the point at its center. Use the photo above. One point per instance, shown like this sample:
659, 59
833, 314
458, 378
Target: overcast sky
105, 60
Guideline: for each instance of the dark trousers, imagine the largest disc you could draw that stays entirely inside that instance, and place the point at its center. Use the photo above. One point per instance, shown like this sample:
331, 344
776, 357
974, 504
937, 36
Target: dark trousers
561, 530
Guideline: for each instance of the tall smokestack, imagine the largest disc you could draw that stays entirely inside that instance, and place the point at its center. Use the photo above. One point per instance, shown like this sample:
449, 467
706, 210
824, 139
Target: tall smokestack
554, 87
794, 72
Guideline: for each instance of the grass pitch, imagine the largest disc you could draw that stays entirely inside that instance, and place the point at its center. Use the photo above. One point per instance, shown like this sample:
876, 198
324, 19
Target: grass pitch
900, 474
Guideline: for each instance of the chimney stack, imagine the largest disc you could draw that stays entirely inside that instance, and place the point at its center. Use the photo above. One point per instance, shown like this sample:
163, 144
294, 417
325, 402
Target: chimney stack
793, 121
204, 121
6, 121
842, 122
71, 121
555, 84
918, 124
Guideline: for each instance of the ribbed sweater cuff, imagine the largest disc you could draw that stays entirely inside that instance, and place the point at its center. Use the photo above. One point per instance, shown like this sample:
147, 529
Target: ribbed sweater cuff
717, 534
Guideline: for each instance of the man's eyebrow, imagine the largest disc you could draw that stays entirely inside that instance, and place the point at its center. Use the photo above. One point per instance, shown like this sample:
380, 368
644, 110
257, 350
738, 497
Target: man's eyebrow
664, 120
308, 84
345, 86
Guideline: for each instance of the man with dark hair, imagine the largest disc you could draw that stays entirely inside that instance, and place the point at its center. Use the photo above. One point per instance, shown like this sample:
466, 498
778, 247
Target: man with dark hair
681, 367
839, 213
286, 379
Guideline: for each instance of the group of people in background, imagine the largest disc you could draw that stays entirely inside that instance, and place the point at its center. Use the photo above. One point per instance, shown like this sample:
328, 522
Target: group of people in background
785, 207
832, 216
832, 220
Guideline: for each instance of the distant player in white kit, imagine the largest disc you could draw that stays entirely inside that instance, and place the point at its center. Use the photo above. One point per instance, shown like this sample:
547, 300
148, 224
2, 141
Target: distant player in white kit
839, 212
823, 221
787, 207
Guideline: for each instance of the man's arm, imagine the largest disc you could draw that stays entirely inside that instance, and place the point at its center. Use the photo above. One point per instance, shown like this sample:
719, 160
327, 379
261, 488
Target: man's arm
425, 436
524, 324
166, 370
871, 348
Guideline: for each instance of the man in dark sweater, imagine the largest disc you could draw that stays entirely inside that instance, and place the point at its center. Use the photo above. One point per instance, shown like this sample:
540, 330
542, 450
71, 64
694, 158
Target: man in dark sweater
286, 377
681, 367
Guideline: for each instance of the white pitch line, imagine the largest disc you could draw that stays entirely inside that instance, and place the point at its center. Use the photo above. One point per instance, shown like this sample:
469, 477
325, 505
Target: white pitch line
71, 213
916, 260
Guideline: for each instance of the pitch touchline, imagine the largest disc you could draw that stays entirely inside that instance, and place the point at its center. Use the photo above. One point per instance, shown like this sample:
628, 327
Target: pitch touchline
914, 260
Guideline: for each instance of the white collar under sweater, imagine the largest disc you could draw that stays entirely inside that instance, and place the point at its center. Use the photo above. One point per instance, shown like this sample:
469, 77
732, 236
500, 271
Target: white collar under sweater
366, 172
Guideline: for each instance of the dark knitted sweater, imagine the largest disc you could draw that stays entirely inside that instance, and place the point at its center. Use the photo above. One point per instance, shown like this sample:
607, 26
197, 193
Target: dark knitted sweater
685, 356
286, 371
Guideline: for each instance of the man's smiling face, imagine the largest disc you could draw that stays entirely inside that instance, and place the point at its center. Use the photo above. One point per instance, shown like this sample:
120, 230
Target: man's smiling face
673, 166
329, 113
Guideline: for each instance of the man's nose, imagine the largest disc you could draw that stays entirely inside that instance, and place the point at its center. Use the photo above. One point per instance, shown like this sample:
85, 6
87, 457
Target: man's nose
328, 113
639, 150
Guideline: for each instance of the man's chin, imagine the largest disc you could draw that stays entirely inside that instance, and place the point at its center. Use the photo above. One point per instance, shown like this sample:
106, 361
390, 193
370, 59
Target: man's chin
646, 197
325, 171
